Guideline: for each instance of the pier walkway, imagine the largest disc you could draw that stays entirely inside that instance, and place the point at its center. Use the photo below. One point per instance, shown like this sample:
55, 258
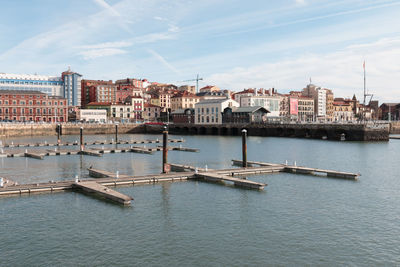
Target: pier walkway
103, 178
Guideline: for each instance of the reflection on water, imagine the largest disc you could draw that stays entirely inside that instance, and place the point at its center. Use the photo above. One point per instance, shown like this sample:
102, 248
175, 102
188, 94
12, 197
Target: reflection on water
296, 220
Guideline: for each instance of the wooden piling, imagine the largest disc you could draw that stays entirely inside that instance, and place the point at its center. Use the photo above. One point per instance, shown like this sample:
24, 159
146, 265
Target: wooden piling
165, 151
244, 148
81, 139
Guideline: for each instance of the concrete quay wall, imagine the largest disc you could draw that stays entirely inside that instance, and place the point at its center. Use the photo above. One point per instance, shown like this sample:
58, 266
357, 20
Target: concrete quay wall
16, 130
395, 127
351, 132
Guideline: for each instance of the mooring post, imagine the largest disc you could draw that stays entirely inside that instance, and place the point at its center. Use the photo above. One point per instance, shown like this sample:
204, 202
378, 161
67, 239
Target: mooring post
244, 148
165, 150
116, 133
58, 134
81, 135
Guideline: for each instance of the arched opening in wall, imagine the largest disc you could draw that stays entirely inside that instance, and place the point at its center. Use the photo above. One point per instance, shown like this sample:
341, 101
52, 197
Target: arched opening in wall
290, 132
279, 131
235, 131
176, 130
341, 135
203, 130
185, 130
214, 131
321, 134
193, 130
307, 133
224, 131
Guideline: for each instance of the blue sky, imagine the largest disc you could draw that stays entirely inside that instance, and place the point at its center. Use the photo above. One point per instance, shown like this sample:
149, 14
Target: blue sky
232, 44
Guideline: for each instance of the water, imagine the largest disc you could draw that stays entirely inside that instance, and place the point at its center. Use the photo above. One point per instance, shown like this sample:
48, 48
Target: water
296, 220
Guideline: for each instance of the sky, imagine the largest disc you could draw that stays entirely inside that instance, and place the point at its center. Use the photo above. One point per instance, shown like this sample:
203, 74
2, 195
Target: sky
233, 44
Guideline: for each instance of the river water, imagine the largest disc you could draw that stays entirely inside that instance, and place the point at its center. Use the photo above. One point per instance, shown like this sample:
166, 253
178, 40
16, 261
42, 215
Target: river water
296, 220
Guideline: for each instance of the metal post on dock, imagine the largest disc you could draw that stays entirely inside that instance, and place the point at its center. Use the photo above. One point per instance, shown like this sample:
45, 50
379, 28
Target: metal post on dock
165, 150
81, 138
244, 148
116, 133
58, 134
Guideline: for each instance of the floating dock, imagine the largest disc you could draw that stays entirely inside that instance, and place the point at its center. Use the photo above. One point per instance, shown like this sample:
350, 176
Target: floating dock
76, 143
302, 170
184, 172
101, 190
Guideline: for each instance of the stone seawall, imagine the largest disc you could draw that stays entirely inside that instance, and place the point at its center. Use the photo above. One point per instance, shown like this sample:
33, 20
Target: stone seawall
15, 130
395, 127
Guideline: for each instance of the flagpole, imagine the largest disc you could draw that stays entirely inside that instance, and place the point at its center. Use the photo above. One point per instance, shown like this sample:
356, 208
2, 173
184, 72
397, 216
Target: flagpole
364, 84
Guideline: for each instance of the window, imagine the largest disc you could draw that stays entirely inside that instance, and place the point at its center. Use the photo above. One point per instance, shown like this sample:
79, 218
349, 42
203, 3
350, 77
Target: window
202, 119
208, 119
207, 110
30, 111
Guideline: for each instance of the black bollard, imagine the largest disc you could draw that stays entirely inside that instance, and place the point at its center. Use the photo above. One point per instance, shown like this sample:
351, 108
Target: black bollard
81, 133
58, 134
244, 148
165, 151
116, 133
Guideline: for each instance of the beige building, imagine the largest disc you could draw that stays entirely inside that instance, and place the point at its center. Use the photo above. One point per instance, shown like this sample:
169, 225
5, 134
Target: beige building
210, 88
342, 112
151, 112
305, 108
188, 88
184, 100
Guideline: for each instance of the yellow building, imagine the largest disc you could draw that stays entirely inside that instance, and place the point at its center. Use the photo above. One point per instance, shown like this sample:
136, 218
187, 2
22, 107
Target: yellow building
184, 100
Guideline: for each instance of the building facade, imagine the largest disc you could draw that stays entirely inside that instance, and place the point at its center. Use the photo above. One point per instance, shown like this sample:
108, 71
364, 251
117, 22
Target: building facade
26, 105
210, 111
270, 103
72, 87
50, 85
97, 91
184, 100
151, 112
92, 115
244, 115
306, 108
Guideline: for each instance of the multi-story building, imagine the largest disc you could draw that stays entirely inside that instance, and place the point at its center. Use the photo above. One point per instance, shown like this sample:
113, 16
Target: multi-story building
306, 108
210, 111
26, 105
72, 87
342, 111
322, 97
50, 85
184, 100
189, 88
210, 88
133, 82
329, 105
92, 115
151, 112
165, 100
183, 115
98, 91
270, 103
244, 115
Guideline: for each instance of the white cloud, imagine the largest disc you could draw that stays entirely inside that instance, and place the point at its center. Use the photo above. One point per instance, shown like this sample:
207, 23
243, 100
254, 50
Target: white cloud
341, 71
300, 2
107, 45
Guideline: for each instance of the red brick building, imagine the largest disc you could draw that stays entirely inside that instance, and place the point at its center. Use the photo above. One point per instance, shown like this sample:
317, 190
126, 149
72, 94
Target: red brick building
97, 91
23, 105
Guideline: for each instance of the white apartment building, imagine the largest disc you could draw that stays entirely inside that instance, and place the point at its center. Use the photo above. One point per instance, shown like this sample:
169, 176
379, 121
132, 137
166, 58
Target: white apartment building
50, 85
321, 102
270, 103
210, 111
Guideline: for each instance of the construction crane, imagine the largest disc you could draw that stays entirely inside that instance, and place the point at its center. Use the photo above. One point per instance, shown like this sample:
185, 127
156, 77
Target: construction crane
197, 82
